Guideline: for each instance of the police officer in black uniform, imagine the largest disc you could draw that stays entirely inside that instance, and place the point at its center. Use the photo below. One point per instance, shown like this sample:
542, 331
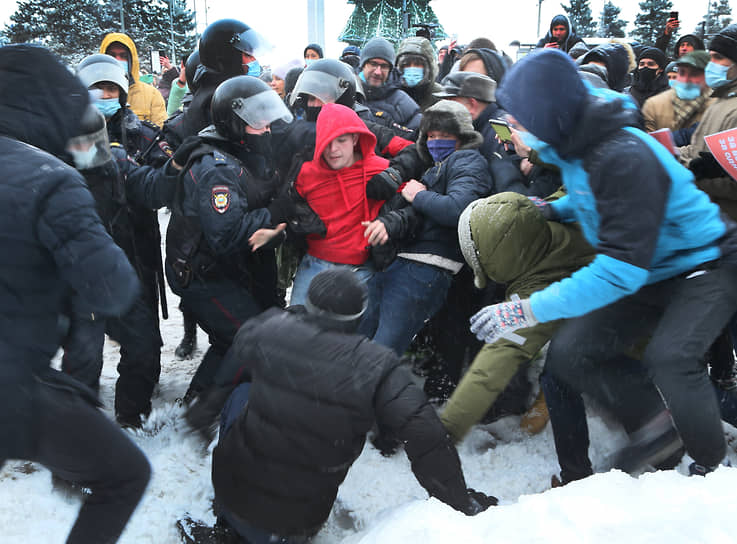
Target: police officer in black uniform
223, 197
125, 193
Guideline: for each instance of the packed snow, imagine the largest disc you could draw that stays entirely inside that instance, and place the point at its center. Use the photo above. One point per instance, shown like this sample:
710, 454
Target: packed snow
380, 502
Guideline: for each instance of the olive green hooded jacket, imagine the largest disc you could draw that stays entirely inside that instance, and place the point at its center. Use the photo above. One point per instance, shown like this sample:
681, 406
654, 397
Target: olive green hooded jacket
510, 242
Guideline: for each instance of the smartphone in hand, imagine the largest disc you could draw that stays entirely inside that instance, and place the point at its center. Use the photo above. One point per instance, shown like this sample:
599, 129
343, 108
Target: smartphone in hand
502, 129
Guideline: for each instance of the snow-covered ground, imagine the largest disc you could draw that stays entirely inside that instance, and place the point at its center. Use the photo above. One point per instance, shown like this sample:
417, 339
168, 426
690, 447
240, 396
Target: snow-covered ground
381, 503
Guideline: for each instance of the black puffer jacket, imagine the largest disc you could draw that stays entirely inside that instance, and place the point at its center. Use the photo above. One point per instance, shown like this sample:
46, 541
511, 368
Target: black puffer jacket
52, 239
394, 103
314, 396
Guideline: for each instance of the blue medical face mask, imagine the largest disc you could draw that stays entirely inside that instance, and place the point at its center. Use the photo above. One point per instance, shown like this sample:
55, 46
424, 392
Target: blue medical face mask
413, 75
108, 106
687, 91
254, 68
716, 75
440, 149
309, 61
123, 64
672, 83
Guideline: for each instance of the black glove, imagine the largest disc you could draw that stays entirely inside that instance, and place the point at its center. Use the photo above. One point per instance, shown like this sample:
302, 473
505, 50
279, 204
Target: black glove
478, 502
706, 166
181, 155
384, 184
203, 415
281, 209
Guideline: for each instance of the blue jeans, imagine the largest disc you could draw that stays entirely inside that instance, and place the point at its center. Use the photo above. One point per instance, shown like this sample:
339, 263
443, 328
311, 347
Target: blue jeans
401, 299
310, 266
233, 407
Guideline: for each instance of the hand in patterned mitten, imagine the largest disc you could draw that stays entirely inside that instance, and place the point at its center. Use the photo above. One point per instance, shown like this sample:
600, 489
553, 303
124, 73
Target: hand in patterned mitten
498, 320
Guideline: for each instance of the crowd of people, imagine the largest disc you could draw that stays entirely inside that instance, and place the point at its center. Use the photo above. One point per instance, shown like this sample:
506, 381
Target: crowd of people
330, 220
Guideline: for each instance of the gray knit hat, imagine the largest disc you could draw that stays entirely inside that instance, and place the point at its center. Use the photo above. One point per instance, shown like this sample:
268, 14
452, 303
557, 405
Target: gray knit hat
377, 48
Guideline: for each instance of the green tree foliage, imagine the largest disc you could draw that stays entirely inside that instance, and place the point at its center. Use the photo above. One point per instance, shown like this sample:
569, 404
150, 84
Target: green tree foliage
650, 22
383, 18
579, 12
74, 28
717, 18
610, 25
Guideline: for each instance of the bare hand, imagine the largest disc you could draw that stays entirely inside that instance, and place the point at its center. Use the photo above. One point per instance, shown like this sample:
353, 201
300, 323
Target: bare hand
519, 146
526, 166
552, 44
375, 232
164, 61
671, 25
263, 236
411, 188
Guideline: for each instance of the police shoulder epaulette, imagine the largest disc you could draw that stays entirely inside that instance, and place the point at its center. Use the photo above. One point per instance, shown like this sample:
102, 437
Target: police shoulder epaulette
116, 144
149, 124
379, 114
219, 157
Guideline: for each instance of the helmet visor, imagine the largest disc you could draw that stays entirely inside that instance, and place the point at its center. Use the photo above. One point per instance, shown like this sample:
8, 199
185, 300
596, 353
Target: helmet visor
90, 150
322, 85
261, 109
251, 43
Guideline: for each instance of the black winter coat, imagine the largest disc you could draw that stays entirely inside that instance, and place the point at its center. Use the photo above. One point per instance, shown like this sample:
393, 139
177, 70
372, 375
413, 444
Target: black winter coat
315, 394
394, 103
52, 239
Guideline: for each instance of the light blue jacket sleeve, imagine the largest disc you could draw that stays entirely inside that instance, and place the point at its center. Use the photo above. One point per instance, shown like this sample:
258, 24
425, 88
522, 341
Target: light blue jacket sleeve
563, 209
602, 282
175, 97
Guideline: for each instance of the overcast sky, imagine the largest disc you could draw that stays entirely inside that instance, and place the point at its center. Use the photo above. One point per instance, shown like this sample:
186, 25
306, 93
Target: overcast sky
283, 22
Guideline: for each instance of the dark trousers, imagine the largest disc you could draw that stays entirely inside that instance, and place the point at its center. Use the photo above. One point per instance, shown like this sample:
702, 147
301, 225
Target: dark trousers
79, 444
220, 306
139, 368
682, 316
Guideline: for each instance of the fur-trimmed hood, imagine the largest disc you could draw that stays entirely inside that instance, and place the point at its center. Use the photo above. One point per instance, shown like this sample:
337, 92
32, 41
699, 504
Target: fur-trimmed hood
450, 117
619, 59
417, 45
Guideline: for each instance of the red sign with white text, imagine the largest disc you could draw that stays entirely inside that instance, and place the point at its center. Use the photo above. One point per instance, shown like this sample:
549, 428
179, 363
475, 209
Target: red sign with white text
723, 145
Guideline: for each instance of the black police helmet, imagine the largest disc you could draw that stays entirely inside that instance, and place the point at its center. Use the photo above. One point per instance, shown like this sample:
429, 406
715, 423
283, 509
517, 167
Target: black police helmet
222, 43
190, 68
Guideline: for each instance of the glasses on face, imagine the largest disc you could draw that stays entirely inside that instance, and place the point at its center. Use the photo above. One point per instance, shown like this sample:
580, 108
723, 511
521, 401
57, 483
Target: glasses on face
383, 66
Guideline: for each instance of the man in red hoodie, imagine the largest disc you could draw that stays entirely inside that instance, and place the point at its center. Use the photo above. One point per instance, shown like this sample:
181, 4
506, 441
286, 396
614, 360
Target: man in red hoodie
333, 184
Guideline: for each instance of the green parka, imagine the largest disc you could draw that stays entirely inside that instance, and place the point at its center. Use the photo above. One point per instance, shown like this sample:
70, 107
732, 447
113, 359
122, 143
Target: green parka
516, 246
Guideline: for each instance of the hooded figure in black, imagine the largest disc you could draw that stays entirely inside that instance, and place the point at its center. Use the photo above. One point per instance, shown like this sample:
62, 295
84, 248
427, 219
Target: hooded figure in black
648, 81
564, 43
314, 389
53, 242
608, 66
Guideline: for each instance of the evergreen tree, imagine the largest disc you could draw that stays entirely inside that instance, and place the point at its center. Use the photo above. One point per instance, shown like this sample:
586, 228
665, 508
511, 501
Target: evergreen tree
610, 25
579, 12
384, 18
650, 22
716, 19
74, 28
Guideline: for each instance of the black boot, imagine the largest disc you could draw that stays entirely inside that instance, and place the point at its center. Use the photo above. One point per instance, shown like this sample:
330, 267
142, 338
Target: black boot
188, 345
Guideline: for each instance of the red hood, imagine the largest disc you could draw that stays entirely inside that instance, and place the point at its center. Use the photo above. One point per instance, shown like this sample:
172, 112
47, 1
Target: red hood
335, 120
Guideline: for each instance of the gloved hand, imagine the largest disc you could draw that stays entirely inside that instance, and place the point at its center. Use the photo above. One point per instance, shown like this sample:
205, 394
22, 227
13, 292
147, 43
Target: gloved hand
181, 155
384, 184
478, 502
545, 208
498, 320
706, 166
281, 209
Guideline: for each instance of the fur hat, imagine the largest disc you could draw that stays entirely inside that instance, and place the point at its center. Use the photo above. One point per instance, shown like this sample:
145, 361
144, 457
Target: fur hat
450, 117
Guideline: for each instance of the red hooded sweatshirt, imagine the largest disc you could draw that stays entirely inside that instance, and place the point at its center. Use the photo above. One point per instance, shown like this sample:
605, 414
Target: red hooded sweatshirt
339, 196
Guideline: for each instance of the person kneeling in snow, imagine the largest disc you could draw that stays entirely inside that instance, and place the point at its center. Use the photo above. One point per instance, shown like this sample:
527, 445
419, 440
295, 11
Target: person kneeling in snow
305, 391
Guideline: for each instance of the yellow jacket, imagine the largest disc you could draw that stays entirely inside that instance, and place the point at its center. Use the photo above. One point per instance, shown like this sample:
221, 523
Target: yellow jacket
144, 99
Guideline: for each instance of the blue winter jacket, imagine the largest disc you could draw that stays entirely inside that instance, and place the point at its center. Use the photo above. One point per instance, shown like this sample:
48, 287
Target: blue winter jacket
636, 205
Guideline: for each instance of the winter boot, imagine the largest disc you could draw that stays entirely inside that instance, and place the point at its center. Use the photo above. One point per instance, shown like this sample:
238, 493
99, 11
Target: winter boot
196, 532
188, 345
651, 445
536, 417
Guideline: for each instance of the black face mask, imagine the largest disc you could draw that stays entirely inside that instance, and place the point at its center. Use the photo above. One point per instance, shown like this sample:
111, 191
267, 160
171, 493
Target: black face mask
311, 113
259, 143
644, 77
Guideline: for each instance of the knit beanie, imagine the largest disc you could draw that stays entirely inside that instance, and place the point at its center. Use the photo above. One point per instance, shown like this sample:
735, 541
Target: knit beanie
725, 42
377, 48
653, 53
316, 48
545, 93
337, 294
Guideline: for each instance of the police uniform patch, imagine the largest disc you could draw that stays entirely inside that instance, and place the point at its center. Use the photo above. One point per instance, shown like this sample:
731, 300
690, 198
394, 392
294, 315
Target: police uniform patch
221, 198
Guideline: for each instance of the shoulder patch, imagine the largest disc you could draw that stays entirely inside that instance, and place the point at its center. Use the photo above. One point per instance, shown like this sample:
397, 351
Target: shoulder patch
116, 144
219, 157
379, 114
165, 148
220, 198
151, 124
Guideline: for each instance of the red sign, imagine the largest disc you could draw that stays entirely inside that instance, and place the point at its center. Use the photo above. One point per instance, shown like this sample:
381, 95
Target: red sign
723, 145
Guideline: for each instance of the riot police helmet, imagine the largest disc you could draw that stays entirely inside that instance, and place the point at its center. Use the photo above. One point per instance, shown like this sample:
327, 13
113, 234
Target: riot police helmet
222, 43
91, 147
